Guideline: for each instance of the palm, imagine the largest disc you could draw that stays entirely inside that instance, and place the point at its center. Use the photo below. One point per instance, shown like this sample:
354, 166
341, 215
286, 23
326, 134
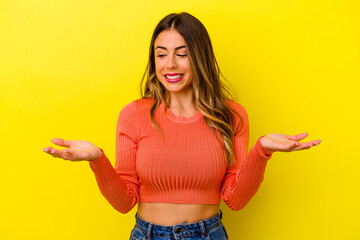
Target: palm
76, 150
287, 143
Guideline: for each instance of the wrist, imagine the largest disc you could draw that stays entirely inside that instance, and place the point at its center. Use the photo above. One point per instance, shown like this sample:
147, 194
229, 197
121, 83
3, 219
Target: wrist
99, 153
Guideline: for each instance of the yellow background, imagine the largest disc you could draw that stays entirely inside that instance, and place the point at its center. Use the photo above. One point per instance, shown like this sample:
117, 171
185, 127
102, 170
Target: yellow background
68, 67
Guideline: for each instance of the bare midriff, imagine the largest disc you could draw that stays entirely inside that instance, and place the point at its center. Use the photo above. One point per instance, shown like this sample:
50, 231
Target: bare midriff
168, 214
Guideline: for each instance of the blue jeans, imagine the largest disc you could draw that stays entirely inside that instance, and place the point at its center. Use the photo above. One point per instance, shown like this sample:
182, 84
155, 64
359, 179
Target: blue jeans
208, 229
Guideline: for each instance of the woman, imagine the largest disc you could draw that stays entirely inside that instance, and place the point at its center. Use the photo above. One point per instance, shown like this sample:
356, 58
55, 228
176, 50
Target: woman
182, 147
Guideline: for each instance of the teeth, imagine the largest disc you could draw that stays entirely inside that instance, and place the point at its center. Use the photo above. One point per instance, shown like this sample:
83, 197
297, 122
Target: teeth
173, 77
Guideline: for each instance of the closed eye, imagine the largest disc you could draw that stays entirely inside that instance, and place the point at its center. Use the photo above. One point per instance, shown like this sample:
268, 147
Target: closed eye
164, 55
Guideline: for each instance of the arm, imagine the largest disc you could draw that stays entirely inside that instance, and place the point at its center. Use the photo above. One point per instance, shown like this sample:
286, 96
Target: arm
120, 185
243, 179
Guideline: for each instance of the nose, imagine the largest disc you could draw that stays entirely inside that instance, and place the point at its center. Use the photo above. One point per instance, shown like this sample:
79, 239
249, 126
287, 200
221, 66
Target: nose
171, 63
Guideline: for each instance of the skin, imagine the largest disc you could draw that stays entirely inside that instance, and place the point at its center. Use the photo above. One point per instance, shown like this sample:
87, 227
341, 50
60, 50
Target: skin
173, 60
169, 58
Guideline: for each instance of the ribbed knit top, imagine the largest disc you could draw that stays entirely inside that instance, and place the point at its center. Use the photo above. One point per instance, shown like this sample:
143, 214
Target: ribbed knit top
188, 165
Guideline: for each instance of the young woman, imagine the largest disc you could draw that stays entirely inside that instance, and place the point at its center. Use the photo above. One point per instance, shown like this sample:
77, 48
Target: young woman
182, 147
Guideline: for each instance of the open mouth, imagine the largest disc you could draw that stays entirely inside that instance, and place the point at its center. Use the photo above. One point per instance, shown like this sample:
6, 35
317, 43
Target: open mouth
173, 77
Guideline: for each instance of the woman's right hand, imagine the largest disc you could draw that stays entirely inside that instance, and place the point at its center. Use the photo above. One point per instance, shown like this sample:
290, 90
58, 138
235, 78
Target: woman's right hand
76, 150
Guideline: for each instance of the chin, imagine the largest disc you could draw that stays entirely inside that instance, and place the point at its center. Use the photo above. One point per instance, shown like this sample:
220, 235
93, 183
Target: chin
175, 87
174, 90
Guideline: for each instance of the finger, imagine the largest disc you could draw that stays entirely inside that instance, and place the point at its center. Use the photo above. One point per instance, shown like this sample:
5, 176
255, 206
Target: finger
294, 144
54, 152
314, 143
58, 154
305, 146
48, 150
69, 154
65, 154
61, 142
298, 137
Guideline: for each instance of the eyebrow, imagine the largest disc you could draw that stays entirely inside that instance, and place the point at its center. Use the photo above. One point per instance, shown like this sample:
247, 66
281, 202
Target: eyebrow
177, 48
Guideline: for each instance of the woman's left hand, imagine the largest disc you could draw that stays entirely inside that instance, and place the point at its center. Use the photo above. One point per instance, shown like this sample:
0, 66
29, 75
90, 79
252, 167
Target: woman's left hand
287, 143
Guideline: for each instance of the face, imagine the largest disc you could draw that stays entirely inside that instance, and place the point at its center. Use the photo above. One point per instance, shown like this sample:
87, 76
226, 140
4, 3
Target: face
172, 62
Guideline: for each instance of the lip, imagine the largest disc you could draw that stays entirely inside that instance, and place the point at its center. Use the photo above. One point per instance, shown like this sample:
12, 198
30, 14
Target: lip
173, 74
174, 80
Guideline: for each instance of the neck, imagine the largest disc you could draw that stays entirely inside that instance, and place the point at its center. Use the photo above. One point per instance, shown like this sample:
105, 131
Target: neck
181, 103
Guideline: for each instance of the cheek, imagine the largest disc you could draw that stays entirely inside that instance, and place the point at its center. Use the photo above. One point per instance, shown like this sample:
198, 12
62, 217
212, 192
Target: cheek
187, 66
188, 69
157, 71
158, 66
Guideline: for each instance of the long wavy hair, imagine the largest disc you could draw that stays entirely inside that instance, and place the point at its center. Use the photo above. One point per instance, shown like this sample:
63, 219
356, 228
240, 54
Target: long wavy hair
210, 93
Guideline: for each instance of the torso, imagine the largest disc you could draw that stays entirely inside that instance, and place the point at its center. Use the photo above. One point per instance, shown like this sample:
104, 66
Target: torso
168, 214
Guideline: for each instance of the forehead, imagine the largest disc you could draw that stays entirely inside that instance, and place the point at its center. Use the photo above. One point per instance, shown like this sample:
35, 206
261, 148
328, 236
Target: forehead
169, 39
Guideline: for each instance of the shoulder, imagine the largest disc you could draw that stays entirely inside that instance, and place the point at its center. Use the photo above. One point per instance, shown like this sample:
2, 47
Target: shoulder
144, 103
240, 115
237, 107
138, 105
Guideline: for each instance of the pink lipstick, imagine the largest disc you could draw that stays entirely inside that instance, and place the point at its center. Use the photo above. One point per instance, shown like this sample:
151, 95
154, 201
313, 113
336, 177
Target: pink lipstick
174, 77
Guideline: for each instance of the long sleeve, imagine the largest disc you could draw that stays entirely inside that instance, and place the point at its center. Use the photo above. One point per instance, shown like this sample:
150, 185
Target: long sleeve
120, 185
243, 179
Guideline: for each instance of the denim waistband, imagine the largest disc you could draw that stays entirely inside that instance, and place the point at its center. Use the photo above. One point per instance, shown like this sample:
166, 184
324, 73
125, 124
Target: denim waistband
181, 229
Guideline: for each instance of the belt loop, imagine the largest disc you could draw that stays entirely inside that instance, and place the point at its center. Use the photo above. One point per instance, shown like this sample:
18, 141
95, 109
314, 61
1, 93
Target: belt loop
148, 233
220, 214
202, 229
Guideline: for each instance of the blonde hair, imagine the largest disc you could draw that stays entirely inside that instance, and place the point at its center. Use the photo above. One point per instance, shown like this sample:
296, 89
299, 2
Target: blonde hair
210, 94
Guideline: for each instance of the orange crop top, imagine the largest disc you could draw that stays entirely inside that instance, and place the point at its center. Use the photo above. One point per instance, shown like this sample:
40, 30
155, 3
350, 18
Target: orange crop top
188, 167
